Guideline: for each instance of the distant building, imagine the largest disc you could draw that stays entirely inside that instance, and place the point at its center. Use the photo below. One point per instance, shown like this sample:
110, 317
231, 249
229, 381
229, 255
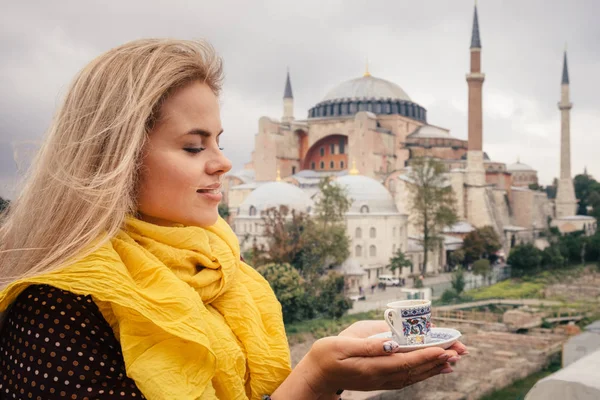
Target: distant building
365, 132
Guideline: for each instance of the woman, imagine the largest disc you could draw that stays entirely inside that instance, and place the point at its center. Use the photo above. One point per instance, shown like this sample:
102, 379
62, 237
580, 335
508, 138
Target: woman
119, 278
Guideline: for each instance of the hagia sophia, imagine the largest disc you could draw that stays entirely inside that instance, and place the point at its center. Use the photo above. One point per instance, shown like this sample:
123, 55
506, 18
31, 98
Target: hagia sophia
363, 134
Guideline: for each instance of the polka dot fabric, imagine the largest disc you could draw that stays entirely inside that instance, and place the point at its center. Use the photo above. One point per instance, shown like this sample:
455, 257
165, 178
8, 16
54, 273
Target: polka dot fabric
57, 345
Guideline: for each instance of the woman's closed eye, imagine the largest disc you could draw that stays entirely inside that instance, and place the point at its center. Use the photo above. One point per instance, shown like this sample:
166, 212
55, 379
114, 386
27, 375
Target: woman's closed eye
196, 150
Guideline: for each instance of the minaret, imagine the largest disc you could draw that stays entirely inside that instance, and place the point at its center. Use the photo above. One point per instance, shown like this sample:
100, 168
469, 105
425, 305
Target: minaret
475, 169
566, 203
288, 101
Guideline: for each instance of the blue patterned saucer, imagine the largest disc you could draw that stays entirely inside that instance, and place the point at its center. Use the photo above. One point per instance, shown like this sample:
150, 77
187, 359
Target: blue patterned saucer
440, 337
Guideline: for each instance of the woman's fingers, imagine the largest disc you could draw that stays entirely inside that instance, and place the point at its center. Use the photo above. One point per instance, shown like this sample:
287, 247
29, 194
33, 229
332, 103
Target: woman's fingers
459, 348
401, 381
406, 362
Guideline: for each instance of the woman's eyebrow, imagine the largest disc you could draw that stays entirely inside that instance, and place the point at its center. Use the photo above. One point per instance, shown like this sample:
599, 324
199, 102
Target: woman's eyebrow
202, 132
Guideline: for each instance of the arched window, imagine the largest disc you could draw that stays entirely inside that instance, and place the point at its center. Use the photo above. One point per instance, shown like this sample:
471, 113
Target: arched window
252, 211
342, 164
353, 108
331, 164
312, 165
332, 148
358, 251
364, 209
358, 233
322, 165
372, 251
372, 233
322, 151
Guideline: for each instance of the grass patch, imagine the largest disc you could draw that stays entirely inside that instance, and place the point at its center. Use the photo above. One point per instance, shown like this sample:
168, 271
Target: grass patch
321, 327
509, 289
518, 389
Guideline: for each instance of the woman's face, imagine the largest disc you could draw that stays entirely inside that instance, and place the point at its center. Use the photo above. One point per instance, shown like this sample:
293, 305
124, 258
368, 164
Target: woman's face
182, 166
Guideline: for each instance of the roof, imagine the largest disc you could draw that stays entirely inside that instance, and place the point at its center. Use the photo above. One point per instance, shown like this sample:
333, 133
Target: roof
245, 175
275, 194
365, 191
367, 87
577, 218
250, 185
350, 267
519, 166
414, 244
287, 94
565, 72
475, 39
430, 132
460, 227
513, 228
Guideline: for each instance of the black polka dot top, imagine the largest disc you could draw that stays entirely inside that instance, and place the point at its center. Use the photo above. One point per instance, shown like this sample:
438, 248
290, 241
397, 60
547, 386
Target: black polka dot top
56, 345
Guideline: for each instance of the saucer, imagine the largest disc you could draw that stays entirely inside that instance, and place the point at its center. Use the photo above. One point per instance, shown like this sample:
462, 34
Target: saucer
440, 337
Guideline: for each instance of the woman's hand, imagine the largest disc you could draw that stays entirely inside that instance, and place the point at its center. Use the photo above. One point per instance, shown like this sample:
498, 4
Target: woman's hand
366, 328
352, 363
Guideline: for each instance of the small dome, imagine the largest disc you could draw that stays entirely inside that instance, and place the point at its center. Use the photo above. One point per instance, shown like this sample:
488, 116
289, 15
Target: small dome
367, 87
367, 195
275, 194
519, 167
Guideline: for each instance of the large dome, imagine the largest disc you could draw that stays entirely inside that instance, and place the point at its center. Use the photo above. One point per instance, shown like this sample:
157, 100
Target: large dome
369, 94
275, 194
519, 167
367, 195
367, 87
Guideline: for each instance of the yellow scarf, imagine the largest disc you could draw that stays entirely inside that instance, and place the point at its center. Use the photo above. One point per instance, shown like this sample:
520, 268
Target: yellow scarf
217, 333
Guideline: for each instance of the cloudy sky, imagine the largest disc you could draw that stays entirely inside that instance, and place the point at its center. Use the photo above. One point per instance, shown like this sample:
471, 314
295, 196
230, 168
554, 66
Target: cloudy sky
421, 45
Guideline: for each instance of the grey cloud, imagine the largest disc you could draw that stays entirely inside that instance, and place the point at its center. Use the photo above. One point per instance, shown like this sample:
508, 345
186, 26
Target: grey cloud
422, 46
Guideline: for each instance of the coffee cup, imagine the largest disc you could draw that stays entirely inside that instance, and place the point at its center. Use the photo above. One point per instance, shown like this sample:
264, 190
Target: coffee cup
410, 321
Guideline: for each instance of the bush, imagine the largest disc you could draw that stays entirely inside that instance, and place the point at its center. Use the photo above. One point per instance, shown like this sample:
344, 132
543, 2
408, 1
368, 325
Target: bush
288, 286
524, 260
458, 281
552, 258
449, 296
482, 267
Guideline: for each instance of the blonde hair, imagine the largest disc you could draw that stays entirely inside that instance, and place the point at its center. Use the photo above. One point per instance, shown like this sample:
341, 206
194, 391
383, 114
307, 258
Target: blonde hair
83, 182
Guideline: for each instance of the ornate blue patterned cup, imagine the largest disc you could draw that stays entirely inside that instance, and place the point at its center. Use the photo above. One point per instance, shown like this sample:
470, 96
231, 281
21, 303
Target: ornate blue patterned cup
410, 321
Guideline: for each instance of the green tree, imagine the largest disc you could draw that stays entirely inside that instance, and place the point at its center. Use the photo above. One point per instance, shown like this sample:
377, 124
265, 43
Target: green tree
224, 211
482, 268
524, 260
585, 185
284, 232
570, 246
552, 258
432, 202
458, 281
551, 189
457, 257
399, 261
327, 296
324, 241
288, 286
332, 203
481, 243
3, 204
322, 247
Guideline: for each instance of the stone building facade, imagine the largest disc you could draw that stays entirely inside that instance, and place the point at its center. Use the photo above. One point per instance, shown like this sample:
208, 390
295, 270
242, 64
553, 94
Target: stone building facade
373, 127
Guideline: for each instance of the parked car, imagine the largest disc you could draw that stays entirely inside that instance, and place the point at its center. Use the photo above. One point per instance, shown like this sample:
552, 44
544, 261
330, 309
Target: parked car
389, 280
